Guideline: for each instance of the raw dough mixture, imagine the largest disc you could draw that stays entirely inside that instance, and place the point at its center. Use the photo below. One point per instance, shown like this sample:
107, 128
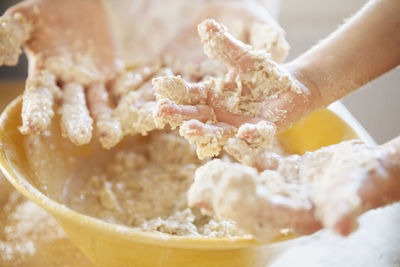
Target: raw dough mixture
144, 185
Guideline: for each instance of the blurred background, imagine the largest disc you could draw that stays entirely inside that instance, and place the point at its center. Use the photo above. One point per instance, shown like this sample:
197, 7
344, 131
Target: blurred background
376, 105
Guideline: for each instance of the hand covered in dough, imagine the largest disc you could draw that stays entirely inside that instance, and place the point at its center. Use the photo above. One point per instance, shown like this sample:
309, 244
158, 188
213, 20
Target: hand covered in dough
255, 90
248, 21
72, 54
327, 188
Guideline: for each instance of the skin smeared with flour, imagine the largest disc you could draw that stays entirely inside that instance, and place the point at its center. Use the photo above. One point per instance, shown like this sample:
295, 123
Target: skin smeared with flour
252, 81
326, 188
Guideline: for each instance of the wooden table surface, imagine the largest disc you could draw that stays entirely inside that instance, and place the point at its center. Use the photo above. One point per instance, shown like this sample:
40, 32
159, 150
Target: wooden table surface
375, 244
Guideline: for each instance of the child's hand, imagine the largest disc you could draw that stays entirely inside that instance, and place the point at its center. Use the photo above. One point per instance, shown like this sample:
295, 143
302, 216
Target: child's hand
255, 89
72, 54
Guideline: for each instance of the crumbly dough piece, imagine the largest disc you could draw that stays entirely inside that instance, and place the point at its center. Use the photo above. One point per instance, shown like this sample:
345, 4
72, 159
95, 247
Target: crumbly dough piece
296, 193
144, 186
135, 114
208, 138
257, 135
251, 143
180, 91
260, 157
135, 110
14, 31
37, 106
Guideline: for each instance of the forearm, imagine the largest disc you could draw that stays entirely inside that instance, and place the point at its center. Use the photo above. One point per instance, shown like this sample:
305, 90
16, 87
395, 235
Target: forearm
365, 47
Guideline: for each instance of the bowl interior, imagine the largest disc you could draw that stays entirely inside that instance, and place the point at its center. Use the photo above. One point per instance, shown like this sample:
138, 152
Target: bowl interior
41, 166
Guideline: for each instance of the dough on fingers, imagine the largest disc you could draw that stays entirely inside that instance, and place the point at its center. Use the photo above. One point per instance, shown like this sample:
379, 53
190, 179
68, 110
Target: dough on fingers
168, 112
76, 123
15, 30
180, 91
109, 128
133, 79
209, 138
269, 38
262, 204
328, 188
40, 94
136, 110
135, 114
253, 81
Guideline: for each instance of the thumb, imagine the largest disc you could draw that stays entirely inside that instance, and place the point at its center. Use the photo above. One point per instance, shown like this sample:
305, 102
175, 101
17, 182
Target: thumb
15, 30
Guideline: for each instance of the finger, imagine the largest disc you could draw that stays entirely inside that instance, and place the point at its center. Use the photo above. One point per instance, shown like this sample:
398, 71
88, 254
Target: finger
246, 155
208, 138
257, 135
37, 103
133, 79
14, 31
135, 114
220, 45
360, 191
146, 91
109, 128
271, 39
354, 172
180, 91
234, 119
300, 220
76, 123
169, 112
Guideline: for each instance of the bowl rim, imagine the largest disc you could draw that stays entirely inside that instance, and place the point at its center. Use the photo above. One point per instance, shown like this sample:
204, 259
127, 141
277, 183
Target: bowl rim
124, 232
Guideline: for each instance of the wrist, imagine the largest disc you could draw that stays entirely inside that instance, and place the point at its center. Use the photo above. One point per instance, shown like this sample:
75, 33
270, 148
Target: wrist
304, 78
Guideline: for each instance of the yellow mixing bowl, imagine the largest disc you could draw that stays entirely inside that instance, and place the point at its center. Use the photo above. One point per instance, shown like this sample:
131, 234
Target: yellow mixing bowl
40, 170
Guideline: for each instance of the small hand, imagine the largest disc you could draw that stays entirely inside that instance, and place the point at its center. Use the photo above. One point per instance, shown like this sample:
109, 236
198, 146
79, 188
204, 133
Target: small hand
248, 22
254, 89
72, 54
327, 188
